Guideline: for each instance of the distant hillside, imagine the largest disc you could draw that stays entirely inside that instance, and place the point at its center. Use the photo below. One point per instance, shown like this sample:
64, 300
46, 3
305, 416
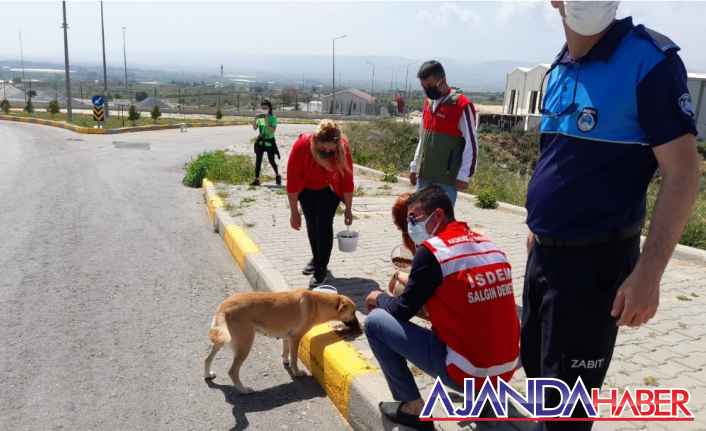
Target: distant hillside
390, 71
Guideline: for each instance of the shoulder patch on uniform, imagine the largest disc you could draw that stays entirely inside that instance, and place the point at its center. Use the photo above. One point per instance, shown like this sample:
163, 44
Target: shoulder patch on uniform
685, 105
662, 42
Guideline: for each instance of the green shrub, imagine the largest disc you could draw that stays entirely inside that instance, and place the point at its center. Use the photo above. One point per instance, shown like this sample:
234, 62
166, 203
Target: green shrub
219, 114
487, 199
53, 107
386, 145
390, 175
5, 106
132, 114
156, 113
218, 166
29, 107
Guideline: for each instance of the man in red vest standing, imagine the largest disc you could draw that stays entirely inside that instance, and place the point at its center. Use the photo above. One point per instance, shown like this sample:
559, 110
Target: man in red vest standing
447, 151
465, 284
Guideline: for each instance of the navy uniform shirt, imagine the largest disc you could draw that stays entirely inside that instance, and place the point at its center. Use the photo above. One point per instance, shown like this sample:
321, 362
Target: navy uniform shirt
601, 117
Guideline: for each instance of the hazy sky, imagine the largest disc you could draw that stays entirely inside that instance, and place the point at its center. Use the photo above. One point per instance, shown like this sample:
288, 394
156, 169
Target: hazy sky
191, 33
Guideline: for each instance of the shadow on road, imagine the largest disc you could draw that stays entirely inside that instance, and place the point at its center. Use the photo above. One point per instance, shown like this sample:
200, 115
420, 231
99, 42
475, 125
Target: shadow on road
356, 288
303, 388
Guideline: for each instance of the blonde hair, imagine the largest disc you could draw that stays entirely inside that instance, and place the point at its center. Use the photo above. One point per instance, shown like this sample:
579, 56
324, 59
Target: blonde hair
329, 132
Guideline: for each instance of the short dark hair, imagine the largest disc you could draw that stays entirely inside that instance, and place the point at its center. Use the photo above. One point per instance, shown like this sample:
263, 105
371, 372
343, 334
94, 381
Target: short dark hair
431, 198
267, 103
431, 68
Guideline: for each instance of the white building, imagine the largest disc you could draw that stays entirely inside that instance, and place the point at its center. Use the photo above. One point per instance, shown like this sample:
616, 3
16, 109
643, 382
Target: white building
350, 102
522, 90
697, 89
313, 106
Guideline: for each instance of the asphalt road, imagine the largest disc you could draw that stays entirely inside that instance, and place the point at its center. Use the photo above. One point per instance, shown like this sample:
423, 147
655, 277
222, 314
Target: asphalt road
109, 275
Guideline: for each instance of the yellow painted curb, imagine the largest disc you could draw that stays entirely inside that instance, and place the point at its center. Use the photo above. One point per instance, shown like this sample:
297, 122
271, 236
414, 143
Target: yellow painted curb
239, 244
333, 362
94, 131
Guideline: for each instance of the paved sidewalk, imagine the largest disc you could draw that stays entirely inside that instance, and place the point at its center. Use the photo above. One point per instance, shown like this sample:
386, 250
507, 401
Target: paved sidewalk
669, 352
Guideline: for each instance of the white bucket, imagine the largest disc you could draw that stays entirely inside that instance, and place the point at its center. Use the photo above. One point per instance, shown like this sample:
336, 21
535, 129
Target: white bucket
347, 240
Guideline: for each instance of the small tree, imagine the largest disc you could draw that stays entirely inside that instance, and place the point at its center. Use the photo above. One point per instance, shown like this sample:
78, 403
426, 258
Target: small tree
219, 114
53, 107
133, 115
5, 106
155, 114
29, 107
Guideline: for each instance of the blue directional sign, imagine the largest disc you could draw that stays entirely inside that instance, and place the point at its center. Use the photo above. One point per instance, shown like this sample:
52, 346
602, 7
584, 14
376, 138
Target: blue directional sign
98, 101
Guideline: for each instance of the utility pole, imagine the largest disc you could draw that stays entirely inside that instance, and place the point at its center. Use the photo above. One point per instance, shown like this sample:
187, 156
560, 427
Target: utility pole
105, 73
333, 75
66, 64
22, 64
220, 86
127, 90
372, 79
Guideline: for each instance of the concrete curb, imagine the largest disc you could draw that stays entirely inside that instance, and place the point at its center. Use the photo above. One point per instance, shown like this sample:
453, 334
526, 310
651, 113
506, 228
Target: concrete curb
92, 131
354, 385
682, 252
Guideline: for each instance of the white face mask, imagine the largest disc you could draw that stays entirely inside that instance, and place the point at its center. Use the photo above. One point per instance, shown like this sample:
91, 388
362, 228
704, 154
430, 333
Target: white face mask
589, 17
418, 232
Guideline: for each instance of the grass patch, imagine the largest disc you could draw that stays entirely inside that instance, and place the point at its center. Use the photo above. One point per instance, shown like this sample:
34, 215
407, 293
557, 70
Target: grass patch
359, 191
218, 166
247, 201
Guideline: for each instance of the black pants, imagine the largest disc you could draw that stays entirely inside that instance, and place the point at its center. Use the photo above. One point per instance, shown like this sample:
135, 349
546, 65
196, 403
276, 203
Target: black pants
260, 148
567, 329
319, 208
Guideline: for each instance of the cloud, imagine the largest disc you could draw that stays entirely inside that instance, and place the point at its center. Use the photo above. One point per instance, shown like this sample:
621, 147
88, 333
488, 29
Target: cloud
448, 13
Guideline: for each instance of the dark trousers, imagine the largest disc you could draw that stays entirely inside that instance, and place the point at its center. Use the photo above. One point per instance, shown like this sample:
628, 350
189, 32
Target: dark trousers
319, 208
567, 329
260, 148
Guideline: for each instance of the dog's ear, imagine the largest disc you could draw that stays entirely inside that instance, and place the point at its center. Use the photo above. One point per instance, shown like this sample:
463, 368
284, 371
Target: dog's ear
340, 304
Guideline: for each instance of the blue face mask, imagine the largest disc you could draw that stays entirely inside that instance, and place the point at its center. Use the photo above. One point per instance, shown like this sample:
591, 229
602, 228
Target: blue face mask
418, 231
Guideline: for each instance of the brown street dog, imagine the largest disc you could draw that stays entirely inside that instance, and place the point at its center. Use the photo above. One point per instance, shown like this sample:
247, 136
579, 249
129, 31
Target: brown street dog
286, 315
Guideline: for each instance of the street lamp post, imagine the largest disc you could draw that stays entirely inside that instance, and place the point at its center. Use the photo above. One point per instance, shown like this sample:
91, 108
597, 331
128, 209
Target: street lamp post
333, 75
66, 64
127, 90
105, 73
372, 79
22, 64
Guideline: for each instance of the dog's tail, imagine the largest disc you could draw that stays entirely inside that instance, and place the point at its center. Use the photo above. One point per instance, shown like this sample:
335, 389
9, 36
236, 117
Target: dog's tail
219, 334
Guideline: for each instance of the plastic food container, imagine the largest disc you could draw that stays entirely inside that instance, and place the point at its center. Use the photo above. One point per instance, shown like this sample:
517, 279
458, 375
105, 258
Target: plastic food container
401, 258
347, 240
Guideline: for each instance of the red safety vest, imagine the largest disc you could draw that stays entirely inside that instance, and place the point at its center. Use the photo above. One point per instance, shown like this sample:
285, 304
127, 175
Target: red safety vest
473, 311
447, 115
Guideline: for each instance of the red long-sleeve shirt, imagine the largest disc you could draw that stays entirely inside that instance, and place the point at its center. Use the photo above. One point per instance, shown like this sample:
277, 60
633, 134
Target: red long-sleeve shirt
303, 172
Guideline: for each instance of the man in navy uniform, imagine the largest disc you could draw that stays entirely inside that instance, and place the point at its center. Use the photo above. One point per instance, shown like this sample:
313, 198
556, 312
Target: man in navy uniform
616, 108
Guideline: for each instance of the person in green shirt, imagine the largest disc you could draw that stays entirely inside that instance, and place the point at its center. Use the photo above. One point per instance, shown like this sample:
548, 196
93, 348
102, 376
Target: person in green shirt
266, 124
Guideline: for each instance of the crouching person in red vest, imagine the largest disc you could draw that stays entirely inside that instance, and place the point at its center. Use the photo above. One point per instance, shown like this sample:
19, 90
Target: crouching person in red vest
465, 283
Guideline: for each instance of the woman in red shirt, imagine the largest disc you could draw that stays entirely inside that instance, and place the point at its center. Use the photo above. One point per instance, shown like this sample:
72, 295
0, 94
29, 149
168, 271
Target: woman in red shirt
319, 176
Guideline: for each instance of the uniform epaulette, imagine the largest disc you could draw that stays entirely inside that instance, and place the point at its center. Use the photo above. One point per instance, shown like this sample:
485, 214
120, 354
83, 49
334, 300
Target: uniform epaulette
662, 42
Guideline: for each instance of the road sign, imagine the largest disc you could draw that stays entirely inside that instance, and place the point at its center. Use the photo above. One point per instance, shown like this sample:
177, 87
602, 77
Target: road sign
98, 108
98, 114
98, 101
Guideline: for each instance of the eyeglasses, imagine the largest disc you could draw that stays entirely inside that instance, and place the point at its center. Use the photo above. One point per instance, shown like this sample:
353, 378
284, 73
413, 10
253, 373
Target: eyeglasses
570, 109
413, 220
